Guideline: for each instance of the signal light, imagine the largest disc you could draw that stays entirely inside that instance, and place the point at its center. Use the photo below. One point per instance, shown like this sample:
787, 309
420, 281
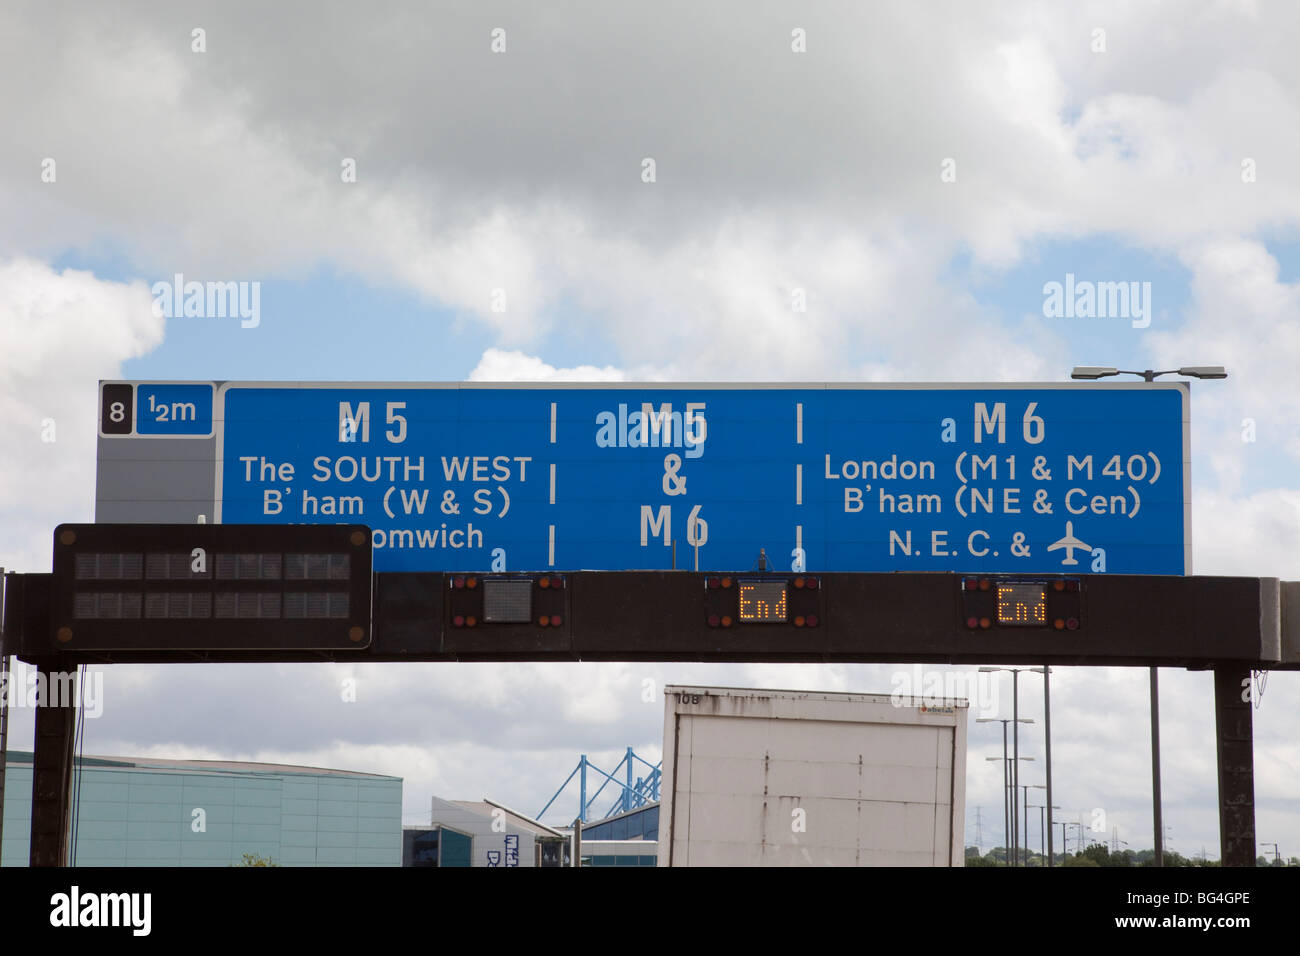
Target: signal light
1059, 624
471, 582
972, 622
984, 584
458, 582
714, 620
712, 583
544, 582
812, 620
458, 621
726, 620
810, 583
1072, 623
471, 621
1058, 585
798, 582
799, 621
985, 623
544, 621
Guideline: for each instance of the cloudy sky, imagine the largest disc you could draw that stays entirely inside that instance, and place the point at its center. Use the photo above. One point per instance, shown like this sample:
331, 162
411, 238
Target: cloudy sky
916, 171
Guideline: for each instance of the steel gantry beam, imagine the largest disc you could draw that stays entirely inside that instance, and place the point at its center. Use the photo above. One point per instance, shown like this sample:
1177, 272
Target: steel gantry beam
1228, 625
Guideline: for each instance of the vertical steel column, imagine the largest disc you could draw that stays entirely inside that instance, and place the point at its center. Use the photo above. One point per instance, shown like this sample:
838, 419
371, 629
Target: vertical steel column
627, 791
1006, 803
1015, 765
1047, 718
582, 788
1157, 817
5, 678
1234, 730
56, 721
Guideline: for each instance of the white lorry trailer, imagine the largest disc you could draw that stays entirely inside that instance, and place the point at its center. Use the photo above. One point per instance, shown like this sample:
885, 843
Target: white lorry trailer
795, 778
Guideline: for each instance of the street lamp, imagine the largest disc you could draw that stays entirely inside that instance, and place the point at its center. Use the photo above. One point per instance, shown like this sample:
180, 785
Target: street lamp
1191, 371
1008, 812
1042, 829
1015, 712
1026, 788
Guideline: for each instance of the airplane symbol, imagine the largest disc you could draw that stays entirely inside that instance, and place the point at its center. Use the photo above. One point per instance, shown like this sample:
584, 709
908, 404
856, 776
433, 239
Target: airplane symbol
1069, 543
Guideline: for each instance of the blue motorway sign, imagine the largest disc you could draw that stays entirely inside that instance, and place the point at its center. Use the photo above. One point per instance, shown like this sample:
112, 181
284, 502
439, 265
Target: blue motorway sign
1007, 478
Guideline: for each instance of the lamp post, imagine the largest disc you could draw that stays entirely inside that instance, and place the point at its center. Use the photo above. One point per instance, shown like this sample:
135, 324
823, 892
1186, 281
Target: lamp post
1006, 812
1042, 826
1006, 829
1093, 372
1015, 712
1025, 788
1009, 810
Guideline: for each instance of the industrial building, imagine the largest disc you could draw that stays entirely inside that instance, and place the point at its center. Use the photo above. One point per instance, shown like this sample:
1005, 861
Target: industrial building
154, 812
482, 833
624, 839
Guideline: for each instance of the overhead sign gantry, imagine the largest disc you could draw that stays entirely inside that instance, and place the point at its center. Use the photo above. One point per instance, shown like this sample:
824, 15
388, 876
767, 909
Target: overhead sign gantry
503, 521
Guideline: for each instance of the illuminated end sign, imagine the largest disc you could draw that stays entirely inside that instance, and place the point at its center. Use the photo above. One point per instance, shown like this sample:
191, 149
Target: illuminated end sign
1021, 604
762, 601
770, 599
1055, 603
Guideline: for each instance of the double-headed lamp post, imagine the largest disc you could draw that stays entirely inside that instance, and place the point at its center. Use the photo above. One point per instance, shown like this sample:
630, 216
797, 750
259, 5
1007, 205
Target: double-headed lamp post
1092, 372
1149, 375
1009, 776
1015, 712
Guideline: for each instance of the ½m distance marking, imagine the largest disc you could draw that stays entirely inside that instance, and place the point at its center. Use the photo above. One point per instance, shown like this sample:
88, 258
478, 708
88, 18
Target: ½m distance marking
172, 411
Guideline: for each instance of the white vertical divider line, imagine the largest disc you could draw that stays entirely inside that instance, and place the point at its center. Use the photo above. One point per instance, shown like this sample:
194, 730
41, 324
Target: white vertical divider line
798, 484
798, 423
550, 533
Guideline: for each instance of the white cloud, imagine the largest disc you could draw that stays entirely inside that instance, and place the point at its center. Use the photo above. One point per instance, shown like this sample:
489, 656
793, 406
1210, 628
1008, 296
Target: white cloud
1253, 535
497, 365
60, 333
527, 178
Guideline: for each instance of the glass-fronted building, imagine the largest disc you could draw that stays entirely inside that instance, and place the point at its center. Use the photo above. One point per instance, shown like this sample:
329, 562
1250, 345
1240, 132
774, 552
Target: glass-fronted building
149, 812
639, 824
627, 839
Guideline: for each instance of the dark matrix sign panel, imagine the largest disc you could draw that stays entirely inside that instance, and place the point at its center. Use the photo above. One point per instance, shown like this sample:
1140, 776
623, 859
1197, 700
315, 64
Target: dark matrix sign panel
209, 587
